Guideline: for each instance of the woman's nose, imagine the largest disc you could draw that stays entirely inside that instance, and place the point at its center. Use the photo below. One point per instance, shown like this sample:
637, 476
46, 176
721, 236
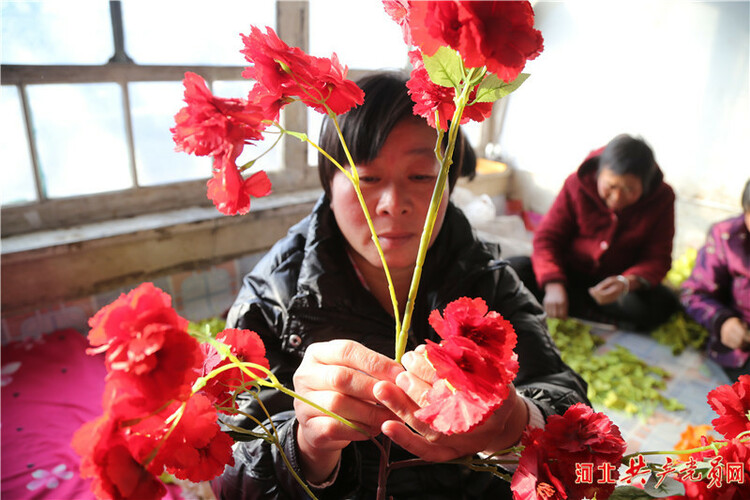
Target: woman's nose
393, 200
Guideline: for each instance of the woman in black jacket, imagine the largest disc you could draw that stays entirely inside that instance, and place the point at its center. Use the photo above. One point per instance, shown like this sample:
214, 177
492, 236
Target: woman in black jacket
320, 302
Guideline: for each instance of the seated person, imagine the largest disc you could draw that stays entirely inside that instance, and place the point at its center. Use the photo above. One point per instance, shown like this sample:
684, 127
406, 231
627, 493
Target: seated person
603, 248
717, 293
320, 302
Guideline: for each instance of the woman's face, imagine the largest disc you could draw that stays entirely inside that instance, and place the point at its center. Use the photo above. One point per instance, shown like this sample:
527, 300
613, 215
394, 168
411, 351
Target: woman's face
618, 191
397, 186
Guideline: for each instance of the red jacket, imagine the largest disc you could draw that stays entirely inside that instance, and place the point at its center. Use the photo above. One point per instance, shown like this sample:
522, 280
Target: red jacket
580, 234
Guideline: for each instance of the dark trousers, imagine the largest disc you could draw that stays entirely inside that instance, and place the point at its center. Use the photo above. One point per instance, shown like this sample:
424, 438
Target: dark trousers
641, 310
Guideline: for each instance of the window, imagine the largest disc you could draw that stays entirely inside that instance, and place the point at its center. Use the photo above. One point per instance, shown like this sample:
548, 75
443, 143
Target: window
89, 95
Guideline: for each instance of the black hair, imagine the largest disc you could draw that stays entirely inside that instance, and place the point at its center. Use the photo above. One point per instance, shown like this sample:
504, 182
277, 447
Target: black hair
366, 127
746, 198
626, 155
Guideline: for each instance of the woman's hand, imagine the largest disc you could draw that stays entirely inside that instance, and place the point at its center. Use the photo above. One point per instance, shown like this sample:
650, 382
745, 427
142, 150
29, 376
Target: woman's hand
500, 431
555, 300
608, 290
734, 334
338, 375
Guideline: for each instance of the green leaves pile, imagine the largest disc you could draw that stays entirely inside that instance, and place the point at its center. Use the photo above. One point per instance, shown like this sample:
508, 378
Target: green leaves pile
209, 327
617, 378
679, 332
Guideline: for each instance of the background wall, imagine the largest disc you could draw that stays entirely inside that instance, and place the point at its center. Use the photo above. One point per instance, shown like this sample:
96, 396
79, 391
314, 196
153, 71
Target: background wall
673, 72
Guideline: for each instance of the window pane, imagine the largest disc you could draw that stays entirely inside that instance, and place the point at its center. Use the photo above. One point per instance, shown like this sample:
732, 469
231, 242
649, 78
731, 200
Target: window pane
152, 108
16, 174
314, 121
270, 161
192, 32
36, 32
360, 33
80, 136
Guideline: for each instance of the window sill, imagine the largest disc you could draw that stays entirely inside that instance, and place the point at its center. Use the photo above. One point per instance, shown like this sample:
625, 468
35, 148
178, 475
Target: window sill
65, 264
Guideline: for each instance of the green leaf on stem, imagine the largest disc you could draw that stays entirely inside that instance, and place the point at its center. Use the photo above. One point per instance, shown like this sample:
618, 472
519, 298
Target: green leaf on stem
493, 88
299, 135
669, 487
445, 67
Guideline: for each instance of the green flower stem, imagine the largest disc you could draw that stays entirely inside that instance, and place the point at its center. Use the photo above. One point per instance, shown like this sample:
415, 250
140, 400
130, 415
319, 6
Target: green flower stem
446, 160
353, 177
274, 384
355, 182
743, 437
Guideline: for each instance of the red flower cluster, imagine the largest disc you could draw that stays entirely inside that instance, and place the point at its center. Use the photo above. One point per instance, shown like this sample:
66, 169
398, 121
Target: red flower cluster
546, 469
732, 405
248, 347
220, 128
475, 363
430, 97
498, 35
284, 73
152, 421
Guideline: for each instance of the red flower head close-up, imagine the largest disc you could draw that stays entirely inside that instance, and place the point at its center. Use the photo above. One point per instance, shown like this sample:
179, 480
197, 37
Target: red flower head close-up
231, 192
498, 35
247, 346
430, 97
732, 405
149, 356
547, 467
286, 72
108, 461
475, 363
210, 125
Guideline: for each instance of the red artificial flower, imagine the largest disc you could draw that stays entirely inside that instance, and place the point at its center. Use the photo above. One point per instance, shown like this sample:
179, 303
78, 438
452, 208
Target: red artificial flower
732, 451
547, 463
247, 346
215, 126
498, 35
475, 363
471, 319
732, 405
533, 478
430, 97
129, 314
158, 365
149, 355
230, 192
106, 458
197, 449
286, 72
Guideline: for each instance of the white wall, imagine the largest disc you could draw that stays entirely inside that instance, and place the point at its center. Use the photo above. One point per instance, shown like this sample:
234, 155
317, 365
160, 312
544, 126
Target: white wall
673, 72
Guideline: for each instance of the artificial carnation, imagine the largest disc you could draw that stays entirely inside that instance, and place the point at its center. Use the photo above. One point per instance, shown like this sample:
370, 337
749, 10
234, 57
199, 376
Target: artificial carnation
548, 461
231, 193
215, 126
197, 449
474, 363
106, 458
129, 314
732, 405
247, 346
498, 35
430, 98
285, 72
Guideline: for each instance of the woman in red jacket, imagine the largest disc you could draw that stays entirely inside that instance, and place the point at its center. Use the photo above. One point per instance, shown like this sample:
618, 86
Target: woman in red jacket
605, 245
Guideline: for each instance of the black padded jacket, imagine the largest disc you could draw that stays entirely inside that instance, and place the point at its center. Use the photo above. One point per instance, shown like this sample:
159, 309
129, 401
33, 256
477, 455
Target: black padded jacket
305, 290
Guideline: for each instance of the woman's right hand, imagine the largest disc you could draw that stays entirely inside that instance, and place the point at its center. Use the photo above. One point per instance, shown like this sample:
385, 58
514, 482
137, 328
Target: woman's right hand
339, 376
735, 334
555, 300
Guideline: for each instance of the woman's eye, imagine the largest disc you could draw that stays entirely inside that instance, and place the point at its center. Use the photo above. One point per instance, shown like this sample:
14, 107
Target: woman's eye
423, 177
369, 179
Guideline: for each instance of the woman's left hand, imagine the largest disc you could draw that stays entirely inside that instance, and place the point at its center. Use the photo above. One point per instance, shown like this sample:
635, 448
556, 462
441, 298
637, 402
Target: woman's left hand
500, 431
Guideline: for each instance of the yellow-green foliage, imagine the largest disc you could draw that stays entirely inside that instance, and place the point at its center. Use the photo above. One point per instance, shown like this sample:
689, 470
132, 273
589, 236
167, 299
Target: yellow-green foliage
679, 332
617, 378
208, 326
681, 268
